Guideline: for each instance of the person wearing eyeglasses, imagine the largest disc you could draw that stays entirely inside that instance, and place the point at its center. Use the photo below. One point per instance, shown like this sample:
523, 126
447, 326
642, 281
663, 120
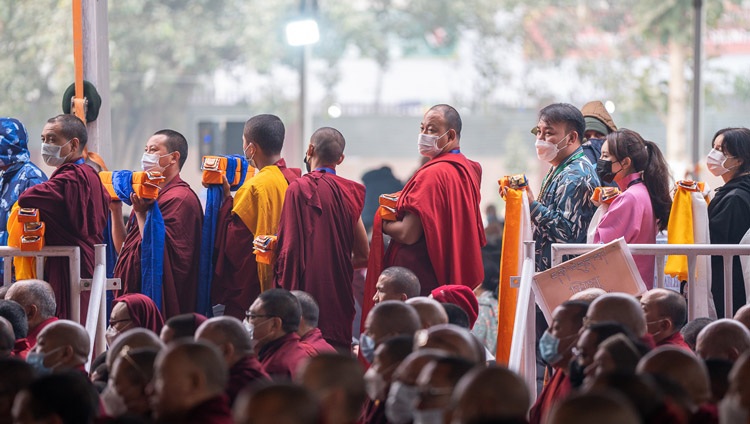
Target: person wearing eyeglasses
729, 210
272, 321
435, 385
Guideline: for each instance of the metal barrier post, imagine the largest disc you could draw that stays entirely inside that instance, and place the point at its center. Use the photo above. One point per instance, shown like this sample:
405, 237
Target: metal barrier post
97, 306
728, 293
75, 286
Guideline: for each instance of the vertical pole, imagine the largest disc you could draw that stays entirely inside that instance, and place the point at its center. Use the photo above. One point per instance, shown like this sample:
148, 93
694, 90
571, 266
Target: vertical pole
74, 261
303, 128
96, 71
728, 294
697, 82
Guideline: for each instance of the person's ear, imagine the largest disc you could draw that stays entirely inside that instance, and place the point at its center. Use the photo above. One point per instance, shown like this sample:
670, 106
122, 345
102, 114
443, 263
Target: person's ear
667, 324
404, 297
341, 159
734, 354
196, 379
310, 150
31, 312
574, 136
75, 144
175, 159
626, 162
227, 349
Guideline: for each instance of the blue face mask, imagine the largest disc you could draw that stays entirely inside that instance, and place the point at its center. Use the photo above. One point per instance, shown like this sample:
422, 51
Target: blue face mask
367, 347
36, 360
549, 346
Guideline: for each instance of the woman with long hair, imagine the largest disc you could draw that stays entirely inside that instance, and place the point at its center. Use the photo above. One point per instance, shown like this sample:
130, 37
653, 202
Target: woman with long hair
642, 208
729, 210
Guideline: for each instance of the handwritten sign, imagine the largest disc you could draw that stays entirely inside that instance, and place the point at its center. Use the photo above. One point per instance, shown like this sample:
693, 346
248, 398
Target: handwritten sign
610, 268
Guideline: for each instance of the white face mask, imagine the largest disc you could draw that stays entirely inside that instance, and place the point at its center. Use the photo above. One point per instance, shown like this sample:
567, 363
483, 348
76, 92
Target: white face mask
731, 411
250, 160
51, 154
150, 162
428, 416
428, 145
374, 384
399, 407
715, 163
547, 151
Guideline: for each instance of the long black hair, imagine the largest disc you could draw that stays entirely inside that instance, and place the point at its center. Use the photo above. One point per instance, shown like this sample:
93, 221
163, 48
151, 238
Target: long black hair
648, 160
736, 144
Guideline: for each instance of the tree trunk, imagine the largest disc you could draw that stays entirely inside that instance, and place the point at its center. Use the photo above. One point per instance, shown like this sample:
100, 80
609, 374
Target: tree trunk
677, 141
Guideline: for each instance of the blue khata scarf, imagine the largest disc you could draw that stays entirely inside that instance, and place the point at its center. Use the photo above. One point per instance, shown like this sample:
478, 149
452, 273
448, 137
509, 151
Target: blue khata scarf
214, 199
152, 243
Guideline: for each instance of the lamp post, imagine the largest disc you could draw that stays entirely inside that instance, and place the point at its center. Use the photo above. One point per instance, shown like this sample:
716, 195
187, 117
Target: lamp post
697, 83
303, 33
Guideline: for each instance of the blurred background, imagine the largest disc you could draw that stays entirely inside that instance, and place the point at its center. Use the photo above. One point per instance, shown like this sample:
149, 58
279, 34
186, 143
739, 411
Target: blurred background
203, 67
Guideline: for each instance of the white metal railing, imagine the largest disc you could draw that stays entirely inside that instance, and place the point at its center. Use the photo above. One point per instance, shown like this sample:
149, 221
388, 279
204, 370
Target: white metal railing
98, 285
523, 344
659, 251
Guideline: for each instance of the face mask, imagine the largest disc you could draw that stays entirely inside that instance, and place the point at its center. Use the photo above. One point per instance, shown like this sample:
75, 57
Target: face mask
307, 163
731, 411
249, 328
374, 384
51, 154
428, 145
576, 374
367, 347
113, 402
250, 160
110, 335
715, 163
428, 416
150, 162
36, 360
400, 404
604, 170
549, 347
546, 150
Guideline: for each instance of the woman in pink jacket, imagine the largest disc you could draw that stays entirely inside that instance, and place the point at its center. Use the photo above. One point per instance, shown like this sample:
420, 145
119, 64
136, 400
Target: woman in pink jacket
642, 208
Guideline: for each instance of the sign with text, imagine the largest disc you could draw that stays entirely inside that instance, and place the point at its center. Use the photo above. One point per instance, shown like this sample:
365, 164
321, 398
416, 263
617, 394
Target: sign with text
610, 267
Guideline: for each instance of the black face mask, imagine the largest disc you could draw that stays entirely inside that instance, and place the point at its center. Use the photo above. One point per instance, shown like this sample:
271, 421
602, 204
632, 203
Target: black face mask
575, 374
307, 163
604, 170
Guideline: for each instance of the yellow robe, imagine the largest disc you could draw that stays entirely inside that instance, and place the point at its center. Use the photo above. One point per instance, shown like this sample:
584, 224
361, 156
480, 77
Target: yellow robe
258, 204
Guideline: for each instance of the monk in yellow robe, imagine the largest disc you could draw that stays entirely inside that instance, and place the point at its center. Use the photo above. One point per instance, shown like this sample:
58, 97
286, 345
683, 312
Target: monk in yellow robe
254, 211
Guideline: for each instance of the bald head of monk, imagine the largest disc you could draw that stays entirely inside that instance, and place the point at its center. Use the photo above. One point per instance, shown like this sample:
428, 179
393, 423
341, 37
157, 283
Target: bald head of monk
229, 336
454, 340
391, 318
665, 311
134, 338
723, 339
277, 403
494, 393
396, 283
64, 345
187, 373
593, 408
36, 297
7, 338
588, 295
680, 366
739, 378
618, 307
403, 394
326, 148
310, 312
338, 382
743, 316
430, 311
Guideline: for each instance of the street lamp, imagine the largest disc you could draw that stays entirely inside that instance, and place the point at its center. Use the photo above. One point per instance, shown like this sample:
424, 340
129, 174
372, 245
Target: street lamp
303, 33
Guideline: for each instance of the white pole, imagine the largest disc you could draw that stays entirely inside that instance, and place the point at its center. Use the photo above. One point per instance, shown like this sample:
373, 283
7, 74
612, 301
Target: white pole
697, 81
96, 71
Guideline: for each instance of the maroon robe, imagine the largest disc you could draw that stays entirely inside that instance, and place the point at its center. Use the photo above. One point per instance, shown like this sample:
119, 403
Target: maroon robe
245, 372
235, 283
183, 218
281, 357
21, 348
316, 237
675, 339
32, 335
213, 411
373, 412
74, 206
557, 389
142, 310
708, 413
314, 343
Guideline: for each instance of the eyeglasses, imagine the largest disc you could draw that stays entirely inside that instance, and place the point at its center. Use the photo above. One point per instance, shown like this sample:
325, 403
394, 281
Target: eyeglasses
250, 316
115, 322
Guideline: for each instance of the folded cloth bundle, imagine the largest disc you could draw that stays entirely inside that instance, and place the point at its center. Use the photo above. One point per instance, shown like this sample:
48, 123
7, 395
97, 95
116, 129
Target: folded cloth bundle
388, 203
264, 248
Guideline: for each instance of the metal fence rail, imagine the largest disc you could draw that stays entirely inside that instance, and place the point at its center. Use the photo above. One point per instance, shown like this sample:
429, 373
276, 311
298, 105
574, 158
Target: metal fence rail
659, 251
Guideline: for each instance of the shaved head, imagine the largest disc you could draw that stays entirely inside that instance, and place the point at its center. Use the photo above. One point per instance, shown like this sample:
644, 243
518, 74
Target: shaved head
329, 374
391, 318
451, 117
37, 294
738, 378
277, 403
430, 311
54, 341
494, 393
329, 145
588, 295
228, 335
133, 338
454, 340
619, 307
593, 408
7, 339
723, 339
310, 308
398, 279
680, 366
743, 316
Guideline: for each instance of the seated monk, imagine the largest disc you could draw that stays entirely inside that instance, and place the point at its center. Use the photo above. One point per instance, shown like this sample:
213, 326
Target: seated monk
133, 310
62, 346
430, 311
310, 336
274, 321
621, 308
735, 407
743, 316
181, 326
337, 382
491, 394
38, 299
189, 383
436, 382
452, 339
7, 338
594, 408
387, 319
15, 315
403, 394
666, 314
278, 403
388, 355
228, 334
131, 375
723, 339
57, 398
17, 375
396, 283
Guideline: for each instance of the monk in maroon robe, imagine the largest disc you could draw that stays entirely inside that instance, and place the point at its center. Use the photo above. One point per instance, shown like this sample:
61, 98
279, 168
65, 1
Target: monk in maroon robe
322, 237
310, 336
438, 233
72, 204
166, 151
254, 211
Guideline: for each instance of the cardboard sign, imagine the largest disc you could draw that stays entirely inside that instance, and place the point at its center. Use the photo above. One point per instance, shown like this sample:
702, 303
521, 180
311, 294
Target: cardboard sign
610, 267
